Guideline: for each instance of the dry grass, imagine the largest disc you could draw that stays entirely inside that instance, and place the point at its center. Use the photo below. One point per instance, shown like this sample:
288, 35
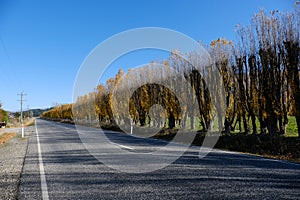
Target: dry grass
287, 157
30, 122
5, 137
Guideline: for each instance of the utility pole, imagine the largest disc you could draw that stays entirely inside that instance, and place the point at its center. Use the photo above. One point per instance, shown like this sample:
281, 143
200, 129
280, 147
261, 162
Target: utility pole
22, 94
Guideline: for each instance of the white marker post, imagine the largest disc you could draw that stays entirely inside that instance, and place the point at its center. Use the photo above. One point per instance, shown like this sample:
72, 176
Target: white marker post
22, 129
131, 126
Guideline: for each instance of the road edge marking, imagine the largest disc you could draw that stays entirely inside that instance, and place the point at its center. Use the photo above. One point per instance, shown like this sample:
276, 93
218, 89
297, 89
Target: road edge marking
44, 186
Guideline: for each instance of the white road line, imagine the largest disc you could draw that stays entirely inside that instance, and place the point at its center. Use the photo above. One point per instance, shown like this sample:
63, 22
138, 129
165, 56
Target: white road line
44, 187
122, 146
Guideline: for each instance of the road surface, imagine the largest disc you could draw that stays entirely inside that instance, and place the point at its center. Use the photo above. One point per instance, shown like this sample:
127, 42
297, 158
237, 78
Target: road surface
57, 166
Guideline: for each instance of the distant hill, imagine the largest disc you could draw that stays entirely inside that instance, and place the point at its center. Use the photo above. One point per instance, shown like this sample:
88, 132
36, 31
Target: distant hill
33, 112
38, 111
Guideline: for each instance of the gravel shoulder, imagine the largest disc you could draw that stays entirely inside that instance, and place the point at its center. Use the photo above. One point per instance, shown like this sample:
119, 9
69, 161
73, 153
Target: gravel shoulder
12, 156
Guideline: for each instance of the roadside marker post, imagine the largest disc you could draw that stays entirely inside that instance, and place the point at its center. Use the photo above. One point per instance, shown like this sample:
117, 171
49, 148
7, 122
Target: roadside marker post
131, 126
22, 129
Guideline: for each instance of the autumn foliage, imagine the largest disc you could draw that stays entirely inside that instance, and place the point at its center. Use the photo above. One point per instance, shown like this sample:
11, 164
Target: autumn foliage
260, 74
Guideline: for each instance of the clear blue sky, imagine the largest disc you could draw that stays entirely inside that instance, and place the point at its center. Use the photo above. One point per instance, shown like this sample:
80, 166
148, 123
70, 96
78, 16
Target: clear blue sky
43, 43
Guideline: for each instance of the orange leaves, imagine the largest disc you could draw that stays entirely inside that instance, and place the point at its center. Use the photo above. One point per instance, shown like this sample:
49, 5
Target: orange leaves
63, 111
221, 41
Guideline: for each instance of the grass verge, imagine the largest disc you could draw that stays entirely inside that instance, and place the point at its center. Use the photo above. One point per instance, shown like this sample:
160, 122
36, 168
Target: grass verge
5, 137
30, 122
271, 146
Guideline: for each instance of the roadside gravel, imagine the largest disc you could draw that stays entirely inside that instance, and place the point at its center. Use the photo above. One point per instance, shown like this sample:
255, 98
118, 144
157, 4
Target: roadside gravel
12, 156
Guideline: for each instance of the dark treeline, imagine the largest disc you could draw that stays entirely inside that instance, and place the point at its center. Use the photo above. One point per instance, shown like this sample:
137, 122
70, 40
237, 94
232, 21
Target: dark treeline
260, 74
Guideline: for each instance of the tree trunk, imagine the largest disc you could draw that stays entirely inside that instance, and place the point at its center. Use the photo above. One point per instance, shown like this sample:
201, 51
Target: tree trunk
282, 125
262, 126
142, 120
204, 129
183, 121
253, 119
298, 125
171, 121
192, 120
272, 125
227, 126
177, 122
240, 126
99, 118
246, 128
154, 123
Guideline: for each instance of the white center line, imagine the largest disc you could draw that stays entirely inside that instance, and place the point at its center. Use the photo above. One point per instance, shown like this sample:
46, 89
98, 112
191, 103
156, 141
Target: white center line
44, 187
122, 146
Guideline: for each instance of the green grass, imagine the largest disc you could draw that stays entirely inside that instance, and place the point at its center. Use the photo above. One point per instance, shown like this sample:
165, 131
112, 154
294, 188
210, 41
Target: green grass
291, 129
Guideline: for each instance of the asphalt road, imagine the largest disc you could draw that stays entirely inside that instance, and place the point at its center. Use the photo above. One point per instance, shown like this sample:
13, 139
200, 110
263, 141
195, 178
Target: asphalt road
58, 166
